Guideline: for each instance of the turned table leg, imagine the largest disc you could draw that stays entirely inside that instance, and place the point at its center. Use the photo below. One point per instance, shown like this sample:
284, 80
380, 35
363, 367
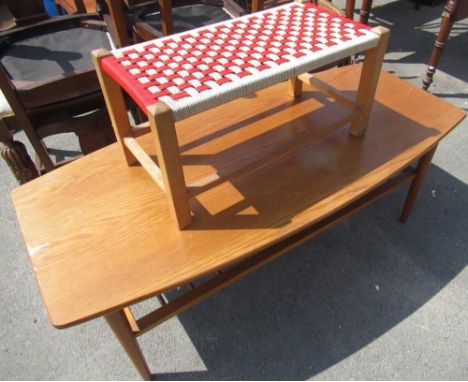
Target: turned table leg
15, 155
421, 172
122, 329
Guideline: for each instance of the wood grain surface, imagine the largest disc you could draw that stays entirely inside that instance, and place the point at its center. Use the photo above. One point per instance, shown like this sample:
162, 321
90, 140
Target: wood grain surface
99, 233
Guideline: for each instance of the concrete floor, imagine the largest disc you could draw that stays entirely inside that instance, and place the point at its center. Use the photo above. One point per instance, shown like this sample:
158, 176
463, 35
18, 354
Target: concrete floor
369, 299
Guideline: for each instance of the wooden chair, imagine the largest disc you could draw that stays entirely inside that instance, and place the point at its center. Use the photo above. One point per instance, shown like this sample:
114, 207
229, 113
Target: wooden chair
141, 20
48, 79
455, 10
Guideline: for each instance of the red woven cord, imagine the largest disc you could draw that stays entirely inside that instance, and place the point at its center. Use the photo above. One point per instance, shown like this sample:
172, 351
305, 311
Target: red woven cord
181, 69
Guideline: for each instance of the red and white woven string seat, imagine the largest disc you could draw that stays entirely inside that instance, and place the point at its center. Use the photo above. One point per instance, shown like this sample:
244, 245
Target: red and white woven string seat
198, 70
176, 77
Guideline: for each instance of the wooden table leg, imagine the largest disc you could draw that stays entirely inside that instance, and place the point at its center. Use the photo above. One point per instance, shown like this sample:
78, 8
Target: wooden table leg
123, 331
421, 171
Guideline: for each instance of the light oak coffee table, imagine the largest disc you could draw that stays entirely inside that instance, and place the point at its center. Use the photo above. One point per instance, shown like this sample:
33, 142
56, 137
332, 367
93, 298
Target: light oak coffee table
100, 236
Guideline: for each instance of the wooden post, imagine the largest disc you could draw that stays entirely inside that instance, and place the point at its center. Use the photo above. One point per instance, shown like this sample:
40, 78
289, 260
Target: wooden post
24, 122
118, 22
115, 104
167, 149
16, 156
80, 6
167, 20
368, 83
349, 11
257, 5
421, 170
123, 331
446, 26
294, 87
365, 11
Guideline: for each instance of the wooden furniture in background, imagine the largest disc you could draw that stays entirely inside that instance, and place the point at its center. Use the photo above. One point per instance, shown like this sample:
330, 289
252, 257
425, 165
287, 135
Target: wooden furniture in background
48, 79
141, 20
245, 222
454, 10
364, 11
73, 6
124, 70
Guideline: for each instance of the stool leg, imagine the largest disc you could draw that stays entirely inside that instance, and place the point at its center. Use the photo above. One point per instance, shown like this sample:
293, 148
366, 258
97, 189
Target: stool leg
295, 87
167, 150
368, 83
115, 105
421, 171
123, 331
439, 45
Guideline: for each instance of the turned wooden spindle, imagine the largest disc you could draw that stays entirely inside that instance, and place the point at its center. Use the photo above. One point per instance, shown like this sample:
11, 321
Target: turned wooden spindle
446, 25
365, 11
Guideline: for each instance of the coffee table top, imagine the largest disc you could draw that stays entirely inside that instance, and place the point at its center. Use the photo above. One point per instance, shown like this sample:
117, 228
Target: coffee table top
206, 67
100, 236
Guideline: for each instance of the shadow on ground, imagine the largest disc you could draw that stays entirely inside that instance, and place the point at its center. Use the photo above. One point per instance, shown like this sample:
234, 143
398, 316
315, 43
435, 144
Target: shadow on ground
317, 305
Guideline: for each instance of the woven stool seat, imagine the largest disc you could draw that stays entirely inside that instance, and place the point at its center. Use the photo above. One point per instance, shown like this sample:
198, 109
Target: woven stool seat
195, 71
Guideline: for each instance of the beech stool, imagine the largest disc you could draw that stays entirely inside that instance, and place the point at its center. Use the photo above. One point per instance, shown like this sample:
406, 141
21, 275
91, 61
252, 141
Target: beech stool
176, 77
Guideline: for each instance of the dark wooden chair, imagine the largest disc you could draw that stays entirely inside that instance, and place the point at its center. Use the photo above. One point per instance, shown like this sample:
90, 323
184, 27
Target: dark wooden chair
454, 10
140, 20
48, 79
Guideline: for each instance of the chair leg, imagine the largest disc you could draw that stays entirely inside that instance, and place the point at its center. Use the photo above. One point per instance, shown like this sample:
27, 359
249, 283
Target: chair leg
439, 45
167, 21
368, 83
15, 155
349, 10
118, 22
421, 172
365, 11
40, 148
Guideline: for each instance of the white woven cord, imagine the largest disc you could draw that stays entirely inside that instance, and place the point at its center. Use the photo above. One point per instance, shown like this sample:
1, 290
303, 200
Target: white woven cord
242, 86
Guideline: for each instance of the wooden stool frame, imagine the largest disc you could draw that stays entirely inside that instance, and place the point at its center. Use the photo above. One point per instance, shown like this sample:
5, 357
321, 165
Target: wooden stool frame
168, 174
